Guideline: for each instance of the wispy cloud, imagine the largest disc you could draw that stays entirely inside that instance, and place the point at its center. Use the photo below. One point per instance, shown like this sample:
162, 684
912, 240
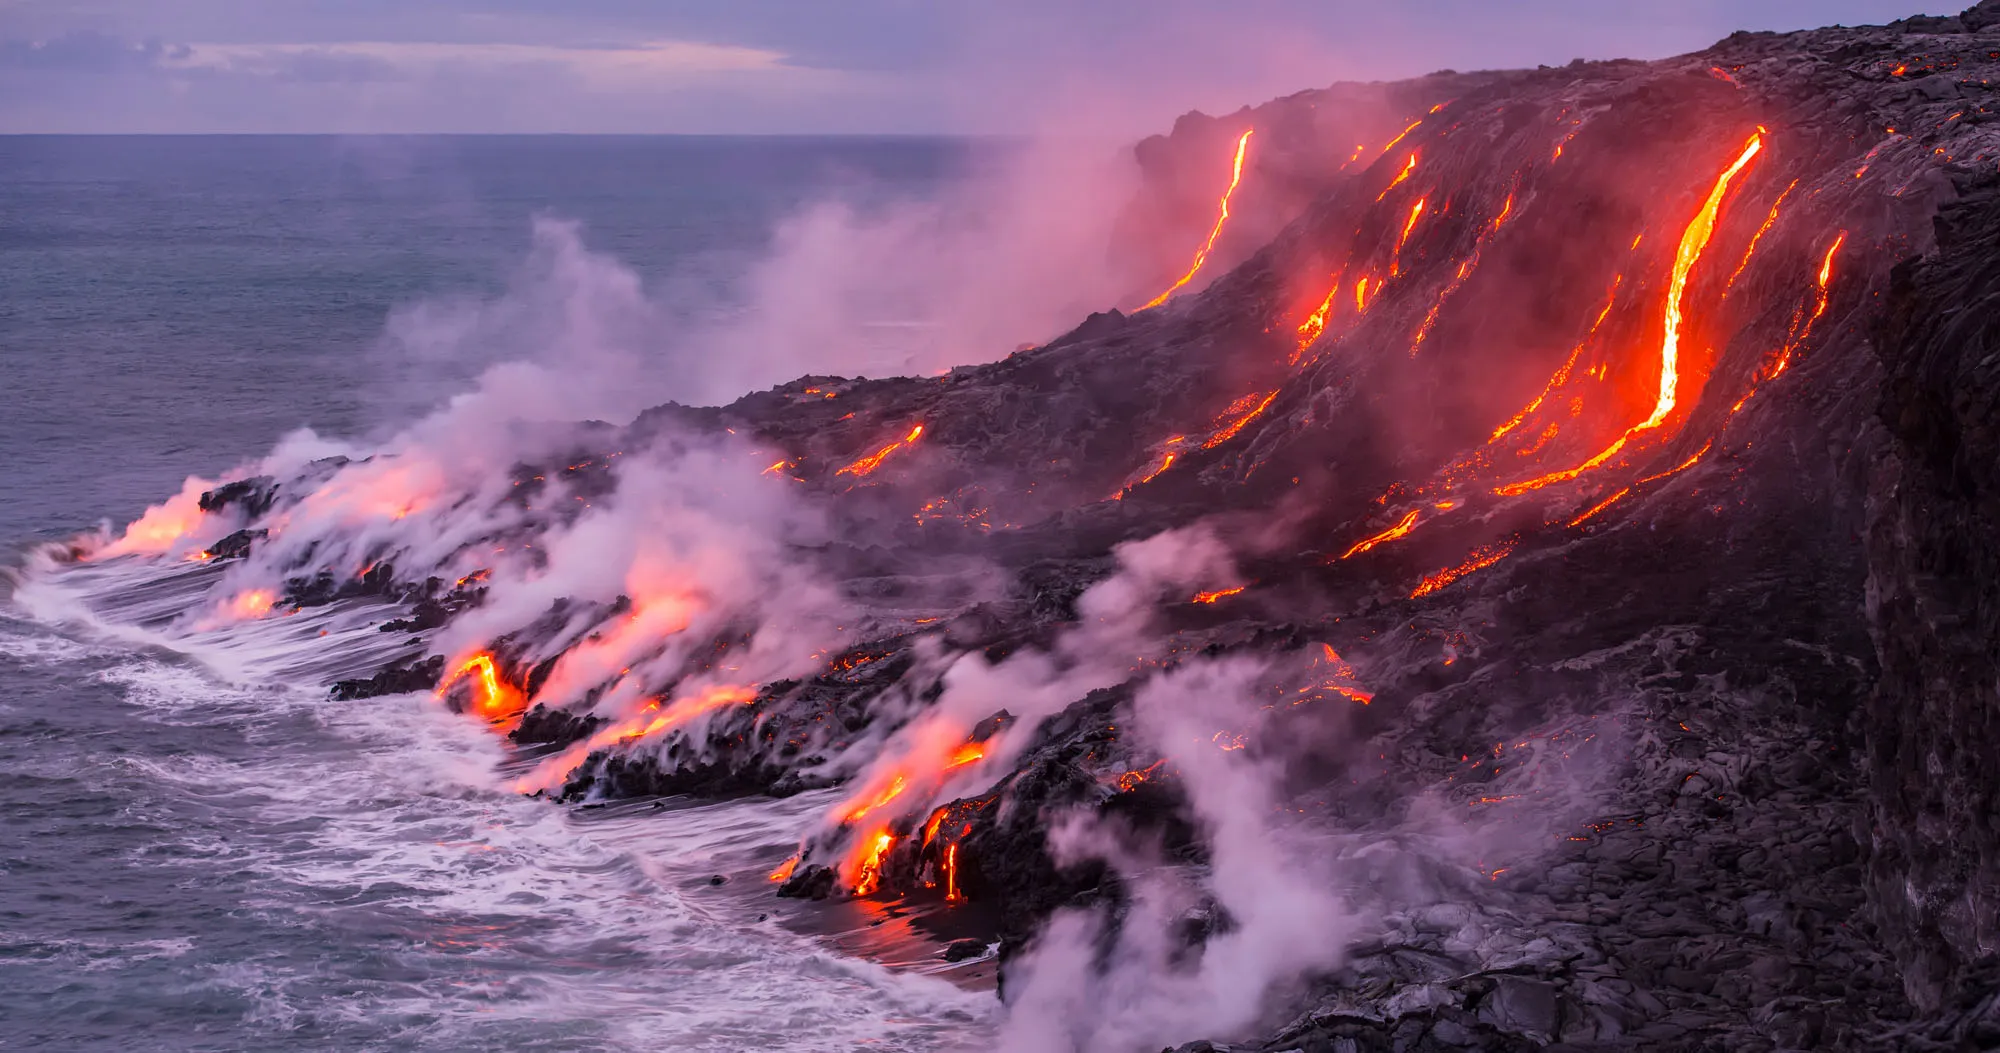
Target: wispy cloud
395, 60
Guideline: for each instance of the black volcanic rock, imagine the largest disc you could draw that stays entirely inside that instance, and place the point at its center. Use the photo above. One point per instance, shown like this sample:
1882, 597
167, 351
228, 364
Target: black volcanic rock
1733, 678
1933, 724
237, 545
414, 676
253, 496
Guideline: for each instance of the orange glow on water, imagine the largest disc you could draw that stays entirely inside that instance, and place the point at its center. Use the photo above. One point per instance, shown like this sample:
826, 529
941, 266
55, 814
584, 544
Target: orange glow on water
253, 604
785, 869
1221, 220
162, 526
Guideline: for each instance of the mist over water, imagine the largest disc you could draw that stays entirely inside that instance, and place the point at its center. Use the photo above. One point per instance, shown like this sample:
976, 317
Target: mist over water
176, 304
200, 848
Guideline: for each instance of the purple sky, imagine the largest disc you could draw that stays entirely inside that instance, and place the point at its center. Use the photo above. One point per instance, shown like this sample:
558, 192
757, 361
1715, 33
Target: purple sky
783, 65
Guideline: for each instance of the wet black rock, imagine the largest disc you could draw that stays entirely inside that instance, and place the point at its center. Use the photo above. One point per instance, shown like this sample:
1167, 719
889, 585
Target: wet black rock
812, 881
253, 496
237, 545
543, 726
961, 950
396, 679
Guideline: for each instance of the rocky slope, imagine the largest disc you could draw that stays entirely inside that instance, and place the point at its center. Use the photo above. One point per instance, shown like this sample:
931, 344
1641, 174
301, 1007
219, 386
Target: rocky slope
1596, 463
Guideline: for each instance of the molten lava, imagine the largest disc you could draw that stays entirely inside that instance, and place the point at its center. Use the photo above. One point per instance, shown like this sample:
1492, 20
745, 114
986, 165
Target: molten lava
1401, 529
1218, 594
1403, 176
1240, 413
649, 721
1562, 375
888, 793
1129, 781
874, 460
966, 754
1694, 240
785, 869
1750, 251
1221, 220
951, 874
1396, 258
868, 869
1341, 678
1315, 323
1480, 559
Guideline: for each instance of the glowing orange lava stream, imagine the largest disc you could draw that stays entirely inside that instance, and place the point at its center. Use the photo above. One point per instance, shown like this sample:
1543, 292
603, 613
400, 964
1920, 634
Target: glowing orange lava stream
1401, 529
874, 460
868, 867
1409, 169
1221, 220
1480, 559
1693, 242
1562, 375
1396, 258
1247, 409
497, 699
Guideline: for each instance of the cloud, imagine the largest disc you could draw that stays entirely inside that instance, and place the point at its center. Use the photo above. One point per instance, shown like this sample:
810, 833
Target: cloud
84, 51
763, 66
399, 60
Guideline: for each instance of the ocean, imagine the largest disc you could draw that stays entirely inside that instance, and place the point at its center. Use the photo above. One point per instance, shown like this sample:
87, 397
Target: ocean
198, 850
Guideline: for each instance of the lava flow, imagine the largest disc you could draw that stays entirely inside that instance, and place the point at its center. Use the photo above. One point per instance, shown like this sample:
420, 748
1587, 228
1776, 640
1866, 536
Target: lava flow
868, 464
651, 720
1401, 529
1221, 220
1694, 240
494, 697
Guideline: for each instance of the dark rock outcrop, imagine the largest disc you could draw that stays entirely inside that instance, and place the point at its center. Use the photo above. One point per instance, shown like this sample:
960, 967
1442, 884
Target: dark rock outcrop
1933, 725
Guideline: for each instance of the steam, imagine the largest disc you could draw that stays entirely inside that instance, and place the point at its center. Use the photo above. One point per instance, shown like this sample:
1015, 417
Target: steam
1274, 910
1113, 637
1015, 253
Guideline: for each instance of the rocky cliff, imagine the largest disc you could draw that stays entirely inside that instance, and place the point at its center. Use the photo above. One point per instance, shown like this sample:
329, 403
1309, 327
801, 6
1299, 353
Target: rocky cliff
1577, 482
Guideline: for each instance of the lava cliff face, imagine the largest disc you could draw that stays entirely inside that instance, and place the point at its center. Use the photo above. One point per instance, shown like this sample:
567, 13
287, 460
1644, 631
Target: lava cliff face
1931, 543
1582, 477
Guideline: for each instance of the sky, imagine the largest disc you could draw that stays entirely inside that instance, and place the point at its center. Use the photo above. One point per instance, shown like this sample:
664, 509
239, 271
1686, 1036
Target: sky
784, 66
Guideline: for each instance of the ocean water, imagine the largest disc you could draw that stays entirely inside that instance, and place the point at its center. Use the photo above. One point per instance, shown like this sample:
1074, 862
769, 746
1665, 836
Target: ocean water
197, 850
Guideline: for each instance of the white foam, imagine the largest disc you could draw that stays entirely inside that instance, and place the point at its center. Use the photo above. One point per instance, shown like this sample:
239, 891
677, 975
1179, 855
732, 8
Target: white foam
391, 812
